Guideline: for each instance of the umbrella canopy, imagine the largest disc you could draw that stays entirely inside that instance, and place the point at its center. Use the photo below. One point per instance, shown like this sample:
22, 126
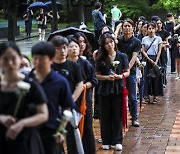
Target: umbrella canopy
49, 4
37, 5
72, 30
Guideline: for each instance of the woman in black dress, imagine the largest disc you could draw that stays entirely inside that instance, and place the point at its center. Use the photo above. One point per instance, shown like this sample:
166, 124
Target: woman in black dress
19, 117
28, 21
90, 81
110, 90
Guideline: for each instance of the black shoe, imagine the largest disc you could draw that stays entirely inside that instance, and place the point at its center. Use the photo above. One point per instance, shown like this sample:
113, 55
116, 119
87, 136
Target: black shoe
135, 123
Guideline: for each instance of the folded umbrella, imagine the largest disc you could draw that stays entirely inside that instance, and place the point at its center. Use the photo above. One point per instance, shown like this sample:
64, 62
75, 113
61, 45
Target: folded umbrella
74, 122
124, 104
83, 112
72, 30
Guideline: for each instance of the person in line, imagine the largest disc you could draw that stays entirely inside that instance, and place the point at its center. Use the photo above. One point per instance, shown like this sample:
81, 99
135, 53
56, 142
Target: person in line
98, 20
130, 45
153, 85
19, 134
28, 21
164, 36
110, 90
90, 81
177, 48
169, 26
116, 15
42, 20
72, 72
57, 90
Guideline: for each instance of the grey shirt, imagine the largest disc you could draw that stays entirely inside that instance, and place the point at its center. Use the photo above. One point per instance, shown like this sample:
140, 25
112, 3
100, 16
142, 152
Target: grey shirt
153, 50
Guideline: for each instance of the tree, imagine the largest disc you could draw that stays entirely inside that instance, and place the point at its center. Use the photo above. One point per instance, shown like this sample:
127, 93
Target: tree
54, 25
169, 5
12, 20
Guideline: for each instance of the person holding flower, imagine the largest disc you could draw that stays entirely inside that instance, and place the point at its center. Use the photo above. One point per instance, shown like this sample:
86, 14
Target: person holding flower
22, 106
111, 66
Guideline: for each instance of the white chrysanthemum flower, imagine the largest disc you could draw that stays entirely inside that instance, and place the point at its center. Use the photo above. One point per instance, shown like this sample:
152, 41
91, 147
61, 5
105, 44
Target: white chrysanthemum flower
23, 85
143, 63
115, 63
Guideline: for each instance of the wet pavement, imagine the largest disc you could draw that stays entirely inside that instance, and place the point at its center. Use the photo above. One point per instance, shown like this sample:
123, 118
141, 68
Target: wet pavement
159, 130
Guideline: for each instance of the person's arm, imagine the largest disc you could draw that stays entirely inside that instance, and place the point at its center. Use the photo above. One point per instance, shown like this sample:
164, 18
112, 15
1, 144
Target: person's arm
133, 59
49, 15
25, 15
31, 12
120, 14
78, 90
45, 20
159, 53
176, 27
146, 56
58, 17
105, 77
40, 117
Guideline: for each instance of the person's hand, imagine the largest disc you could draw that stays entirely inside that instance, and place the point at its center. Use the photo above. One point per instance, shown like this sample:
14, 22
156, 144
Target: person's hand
117, 77
14, 130
111, 77
7, 120
60, 138
152, 62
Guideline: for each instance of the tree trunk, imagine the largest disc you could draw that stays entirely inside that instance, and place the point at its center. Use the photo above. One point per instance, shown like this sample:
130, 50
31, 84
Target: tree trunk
12, 20
54, 24
81, 11
68, 12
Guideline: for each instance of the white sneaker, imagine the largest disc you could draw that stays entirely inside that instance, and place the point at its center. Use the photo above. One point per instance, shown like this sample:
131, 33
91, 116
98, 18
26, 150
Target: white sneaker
105, 147
118, 147
177, 78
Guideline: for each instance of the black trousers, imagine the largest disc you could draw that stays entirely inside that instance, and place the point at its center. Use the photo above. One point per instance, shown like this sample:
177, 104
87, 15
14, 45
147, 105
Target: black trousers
173, 60
111, 119
97, 33
49, 143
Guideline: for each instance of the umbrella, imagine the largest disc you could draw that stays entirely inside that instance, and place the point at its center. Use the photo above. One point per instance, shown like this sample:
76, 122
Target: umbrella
37, 5
72, 30
74, 122
83, 112
49, 4
124, 104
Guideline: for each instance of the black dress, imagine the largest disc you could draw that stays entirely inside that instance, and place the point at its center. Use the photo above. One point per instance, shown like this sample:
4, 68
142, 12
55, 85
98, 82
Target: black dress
28, 141
28, 23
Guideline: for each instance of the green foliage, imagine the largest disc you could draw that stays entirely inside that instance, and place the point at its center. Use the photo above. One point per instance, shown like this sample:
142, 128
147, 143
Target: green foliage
169, 5
129, 8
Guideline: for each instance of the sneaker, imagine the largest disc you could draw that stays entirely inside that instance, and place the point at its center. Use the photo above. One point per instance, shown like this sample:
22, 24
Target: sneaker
118, 147
105, 147
135, 123
177, 78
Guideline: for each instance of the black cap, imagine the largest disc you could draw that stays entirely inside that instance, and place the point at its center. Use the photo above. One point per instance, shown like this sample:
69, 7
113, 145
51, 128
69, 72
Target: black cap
170, 14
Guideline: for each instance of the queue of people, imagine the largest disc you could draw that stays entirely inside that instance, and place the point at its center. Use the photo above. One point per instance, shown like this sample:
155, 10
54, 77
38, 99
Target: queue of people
65, 67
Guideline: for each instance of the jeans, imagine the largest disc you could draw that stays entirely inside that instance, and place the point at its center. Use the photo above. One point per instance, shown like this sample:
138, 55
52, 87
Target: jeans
133, 103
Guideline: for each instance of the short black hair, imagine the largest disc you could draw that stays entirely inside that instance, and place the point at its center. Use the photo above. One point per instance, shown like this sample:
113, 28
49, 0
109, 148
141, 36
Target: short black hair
97, 5
129, 21
9, 44
142, 18
155, 18
43, 48
170, 14
71, 38
59, 40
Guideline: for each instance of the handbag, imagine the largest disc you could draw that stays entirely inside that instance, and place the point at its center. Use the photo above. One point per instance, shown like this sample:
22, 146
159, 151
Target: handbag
155, 71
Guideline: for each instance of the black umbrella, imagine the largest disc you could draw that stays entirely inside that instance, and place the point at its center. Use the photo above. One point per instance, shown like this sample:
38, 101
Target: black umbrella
72, 30
37, 5
49, 4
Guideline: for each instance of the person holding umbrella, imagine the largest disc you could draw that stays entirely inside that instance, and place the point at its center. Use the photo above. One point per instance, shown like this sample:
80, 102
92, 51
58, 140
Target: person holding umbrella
28, 21
71, 71
90, 81
42, 20
111, 67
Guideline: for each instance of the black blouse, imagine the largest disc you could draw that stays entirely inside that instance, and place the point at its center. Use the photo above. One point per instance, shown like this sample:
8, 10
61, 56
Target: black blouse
107, 87
35, 96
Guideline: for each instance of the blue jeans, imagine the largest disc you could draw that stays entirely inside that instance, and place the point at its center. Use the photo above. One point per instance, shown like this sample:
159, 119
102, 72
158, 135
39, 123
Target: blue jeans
133, 103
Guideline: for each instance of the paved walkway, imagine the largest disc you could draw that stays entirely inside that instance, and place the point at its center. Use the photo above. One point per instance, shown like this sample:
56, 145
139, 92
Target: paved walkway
159, 130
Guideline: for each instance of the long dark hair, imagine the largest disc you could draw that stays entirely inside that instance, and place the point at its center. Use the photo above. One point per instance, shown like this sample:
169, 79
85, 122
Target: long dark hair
88, 51
102, 55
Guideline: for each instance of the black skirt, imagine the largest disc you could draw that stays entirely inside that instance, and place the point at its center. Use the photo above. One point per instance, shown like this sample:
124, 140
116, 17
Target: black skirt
152, 86
27, 142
